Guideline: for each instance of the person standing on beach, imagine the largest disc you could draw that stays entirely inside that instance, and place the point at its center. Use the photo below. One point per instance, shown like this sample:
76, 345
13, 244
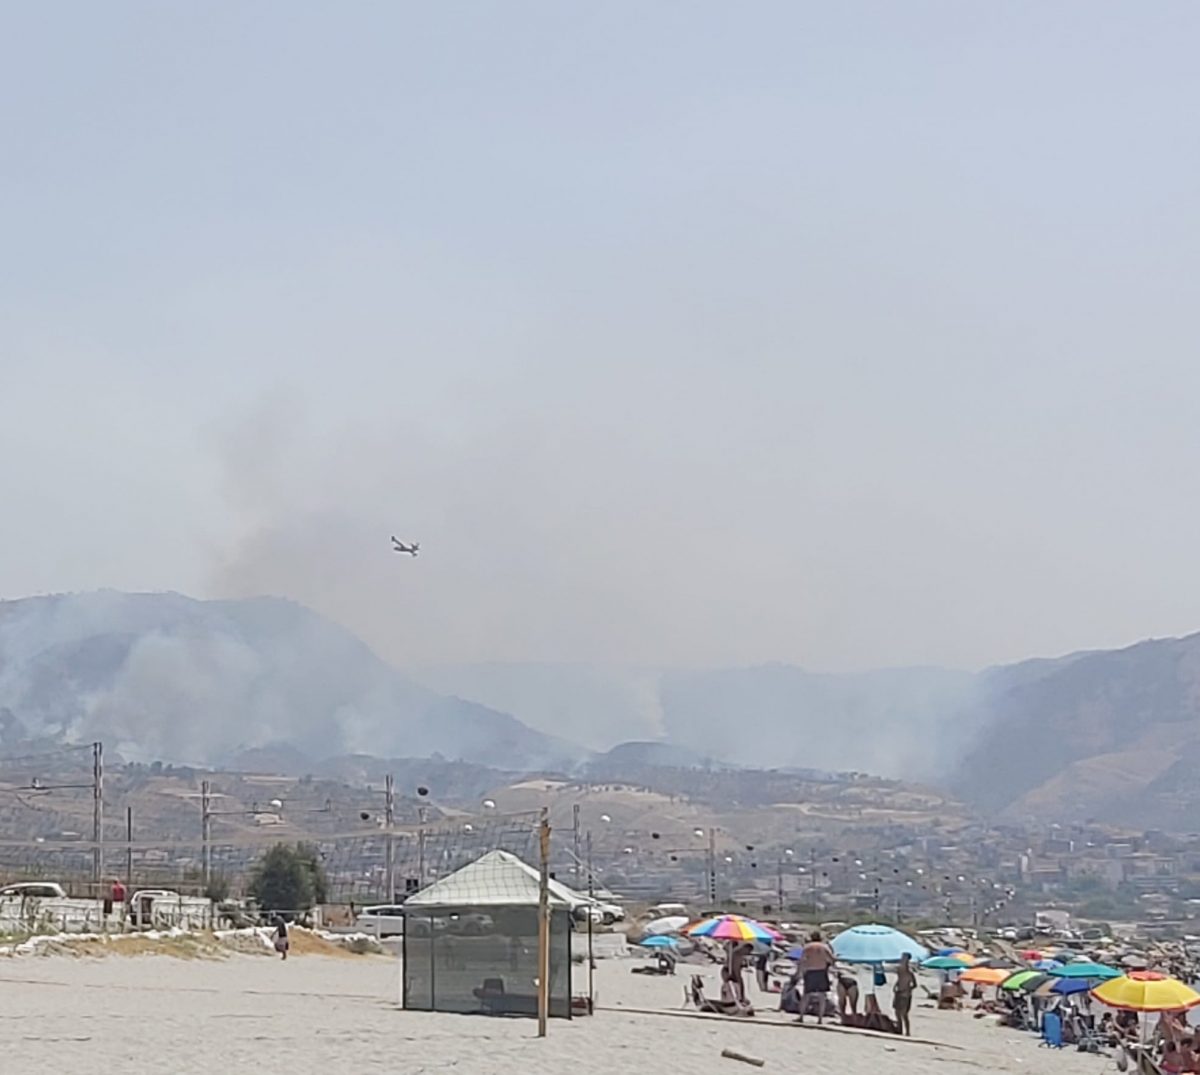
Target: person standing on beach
902, 994
815, 961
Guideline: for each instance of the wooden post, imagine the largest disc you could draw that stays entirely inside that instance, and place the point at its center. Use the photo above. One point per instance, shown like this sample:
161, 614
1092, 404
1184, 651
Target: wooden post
544, 924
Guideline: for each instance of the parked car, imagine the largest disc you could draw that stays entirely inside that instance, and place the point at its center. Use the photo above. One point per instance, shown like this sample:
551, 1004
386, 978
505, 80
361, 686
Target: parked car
383, 920
42, 890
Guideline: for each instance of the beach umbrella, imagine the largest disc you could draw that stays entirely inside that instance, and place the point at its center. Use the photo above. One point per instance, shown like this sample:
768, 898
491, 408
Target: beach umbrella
1066, 987
671, 924
944, 963
1047, 964
1063, 987
733, 927
1032, 955
1087, 970
984, 975
876, 944
659, 941
1015, 981
1143, 991
948, 952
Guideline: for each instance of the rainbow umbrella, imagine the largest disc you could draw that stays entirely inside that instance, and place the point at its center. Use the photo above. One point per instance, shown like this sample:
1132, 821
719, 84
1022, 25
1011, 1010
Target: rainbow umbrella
1145, 991
733, 927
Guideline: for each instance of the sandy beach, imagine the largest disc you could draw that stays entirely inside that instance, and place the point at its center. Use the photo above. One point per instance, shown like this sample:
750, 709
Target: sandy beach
331, 1015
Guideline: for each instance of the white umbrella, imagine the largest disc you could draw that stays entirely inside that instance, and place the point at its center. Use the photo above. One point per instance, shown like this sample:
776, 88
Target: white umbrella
670, 924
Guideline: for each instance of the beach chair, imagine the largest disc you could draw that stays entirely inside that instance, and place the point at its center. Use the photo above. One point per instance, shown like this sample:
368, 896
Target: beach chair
1052, 1030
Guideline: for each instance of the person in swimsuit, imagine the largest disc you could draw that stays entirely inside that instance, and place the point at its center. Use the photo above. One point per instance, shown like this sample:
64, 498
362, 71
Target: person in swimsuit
847, 992
902, 994
815, 961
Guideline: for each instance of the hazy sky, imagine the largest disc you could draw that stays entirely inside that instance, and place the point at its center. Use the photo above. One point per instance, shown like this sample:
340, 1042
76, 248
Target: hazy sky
837, 333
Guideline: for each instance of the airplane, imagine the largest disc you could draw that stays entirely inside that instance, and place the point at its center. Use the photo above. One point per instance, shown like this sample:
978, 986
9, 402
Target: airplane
399, 546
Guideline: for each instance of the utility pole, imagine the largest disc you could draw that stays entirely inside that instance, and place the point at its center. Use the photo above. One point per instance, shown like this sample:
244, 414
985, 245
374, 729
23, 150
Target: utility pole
712, 868
575, 840
544, 923
129, 850
389, 816
779, 880
813, 869
421, 811
206, 830
97, 814
591, 878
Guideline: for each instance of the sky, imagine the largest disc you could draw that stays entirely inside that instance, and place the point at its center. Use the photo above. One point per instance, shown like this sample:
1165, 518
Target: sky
846, 335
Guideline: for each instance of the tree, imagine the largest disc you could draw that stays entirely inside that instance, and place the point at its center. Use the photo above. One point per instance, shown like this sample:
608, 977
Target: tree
288, 879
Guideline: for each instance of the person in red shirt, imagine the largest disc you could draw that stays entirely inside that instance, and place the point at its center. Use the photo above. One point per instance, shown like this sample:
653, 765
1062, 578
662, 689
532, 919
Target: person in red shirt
116, 898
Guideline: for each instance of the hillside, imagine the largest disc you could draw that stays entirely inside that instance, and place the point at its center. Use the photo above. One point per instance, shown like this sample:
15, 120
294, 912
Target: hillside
1109, 735
165, 677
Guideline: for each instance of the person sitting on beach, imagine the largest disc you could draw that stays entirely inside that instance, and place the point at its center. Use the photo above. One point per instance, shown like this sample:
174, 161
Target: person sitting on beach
815, 961
1172, 1062
950, 996
789, 999
733, 996
1187, 1054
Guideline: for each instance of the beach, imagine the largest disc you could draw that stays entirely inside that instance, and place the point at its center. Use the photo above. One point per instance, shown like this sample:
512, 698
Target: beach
328, 1015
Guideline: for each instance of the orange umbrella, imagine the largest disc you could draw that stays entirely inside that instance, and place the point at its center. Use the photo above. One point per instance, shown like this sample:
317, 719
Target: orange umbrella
985, 975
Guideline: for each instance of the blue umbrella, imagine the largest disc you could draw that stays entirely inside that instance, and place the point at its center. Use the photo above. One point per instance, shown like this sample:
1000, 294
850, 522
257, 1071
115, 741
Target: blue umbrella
659, 941
1047, 964
1067, 986
876, 944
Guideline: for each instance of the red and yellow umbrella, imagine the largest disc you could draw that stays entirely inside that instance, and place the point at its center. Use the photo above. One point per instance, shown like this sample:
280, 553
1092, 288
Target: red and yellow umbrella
1146, 991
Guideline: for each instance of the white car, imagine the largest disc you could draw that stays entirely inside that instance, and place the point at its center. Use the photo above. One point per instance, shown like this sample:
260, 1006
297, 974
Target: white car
41, 890
383, 920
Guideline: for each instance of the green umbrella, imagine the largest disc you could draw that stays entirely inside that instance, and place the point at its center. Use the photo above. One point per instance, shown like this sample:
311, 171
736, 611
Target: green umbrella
1087, 970
1014, 981
945, 963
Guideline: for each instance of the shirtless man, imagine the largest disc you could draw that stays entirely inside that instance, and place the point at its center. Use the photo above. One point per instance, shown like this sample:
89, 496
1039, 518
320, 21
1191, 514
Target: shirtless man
815, 962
